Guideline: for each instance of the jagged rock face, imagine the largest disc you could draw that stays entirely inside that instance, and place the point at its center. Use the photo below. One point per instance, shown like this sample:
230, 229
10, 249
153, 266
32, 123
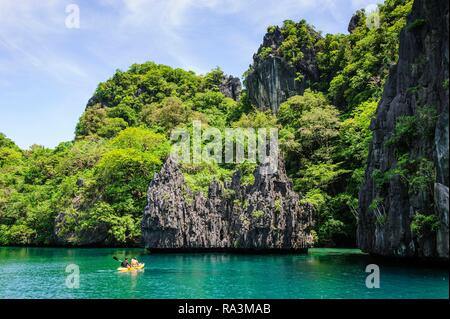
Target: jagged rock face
271, 83
355, 21
264, 216
417, 80
272, 80
231, 87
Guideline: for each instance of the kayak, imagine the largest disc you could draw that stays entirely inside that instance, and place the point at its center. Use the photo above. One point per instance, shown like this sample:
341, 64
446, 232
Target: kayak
124, 269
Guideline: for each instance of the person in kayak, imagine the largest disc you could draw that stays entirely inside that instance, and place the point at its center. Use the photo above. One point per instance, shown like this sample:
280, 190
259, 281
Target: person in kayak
125, 264
134, 262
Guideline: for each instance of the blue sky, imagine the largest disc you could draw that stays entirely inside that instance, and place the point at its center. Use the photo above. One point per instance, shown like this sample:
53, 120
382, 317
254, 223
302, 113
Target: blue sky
48, 72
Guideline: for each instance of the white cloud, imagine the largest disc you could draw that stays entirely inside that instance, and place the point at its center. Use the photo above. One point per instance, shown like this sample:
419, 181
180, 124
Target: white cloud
49, 71
33, 31
167, 21
29, 33
361, 4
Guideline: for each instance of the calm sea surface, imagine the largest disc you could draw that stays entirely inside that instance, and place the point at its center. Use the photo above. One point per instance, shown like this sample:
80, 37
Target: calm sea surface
322, 273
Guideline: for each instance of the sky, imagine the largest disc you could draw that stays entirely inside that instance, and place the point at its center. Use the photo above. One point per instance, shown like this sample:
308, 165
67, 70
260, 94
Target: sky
49, 67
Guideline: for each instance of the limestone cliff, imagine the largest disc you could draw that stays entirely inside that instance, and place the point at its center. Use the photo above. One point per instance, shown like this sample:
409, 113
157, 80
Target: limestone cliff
231, 87
355, 21
407, 175
272, 79
263, 216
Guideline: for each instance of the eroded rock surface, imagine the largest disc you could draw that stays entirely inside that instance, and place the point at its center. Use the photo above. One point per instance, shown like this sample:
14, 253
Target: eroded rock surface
264, 216
231, 87
272, 79
417, 86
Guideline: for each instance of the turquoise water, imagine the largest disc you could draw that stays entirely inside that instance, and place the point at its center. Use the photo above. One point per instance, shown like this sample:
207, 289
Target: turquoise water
323, 273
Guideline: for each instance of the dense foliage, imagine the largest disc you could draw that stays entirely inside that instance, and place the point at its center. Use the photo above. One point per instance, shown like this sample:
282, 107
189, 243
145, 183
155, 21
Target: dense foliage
85, 185
353, 67
325, 133
93, 189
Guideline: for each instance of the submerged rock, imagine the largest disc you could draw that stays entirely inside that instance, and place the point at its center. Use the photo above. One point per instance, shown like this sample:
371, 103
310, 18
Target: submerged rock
264, 216
417, 87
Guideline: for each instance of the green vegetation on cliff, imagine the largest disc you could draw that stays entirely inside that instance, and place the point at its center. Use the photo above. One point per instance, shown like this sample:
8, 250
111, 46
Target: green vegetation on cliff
86, 185
93, 189
353, 67
325, 132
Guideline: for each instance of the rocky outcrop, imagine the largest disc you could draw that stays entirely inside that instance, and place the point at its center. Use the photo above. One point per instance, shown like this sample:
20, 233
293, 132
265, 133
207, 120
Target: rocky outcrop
416, 95
272, 79
355, 21
263, 216
231, 87
272, 82
442, 208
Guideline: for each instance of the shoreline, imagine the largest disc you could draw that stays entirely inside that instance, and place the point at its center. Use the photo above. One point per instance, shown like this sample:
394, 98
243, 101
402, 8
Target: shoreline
248, 251
386, 260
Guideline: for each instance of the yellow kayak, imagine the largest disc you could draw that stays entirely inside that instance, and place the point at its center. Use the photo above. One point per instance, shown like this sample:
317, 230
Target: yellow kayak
123, 269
